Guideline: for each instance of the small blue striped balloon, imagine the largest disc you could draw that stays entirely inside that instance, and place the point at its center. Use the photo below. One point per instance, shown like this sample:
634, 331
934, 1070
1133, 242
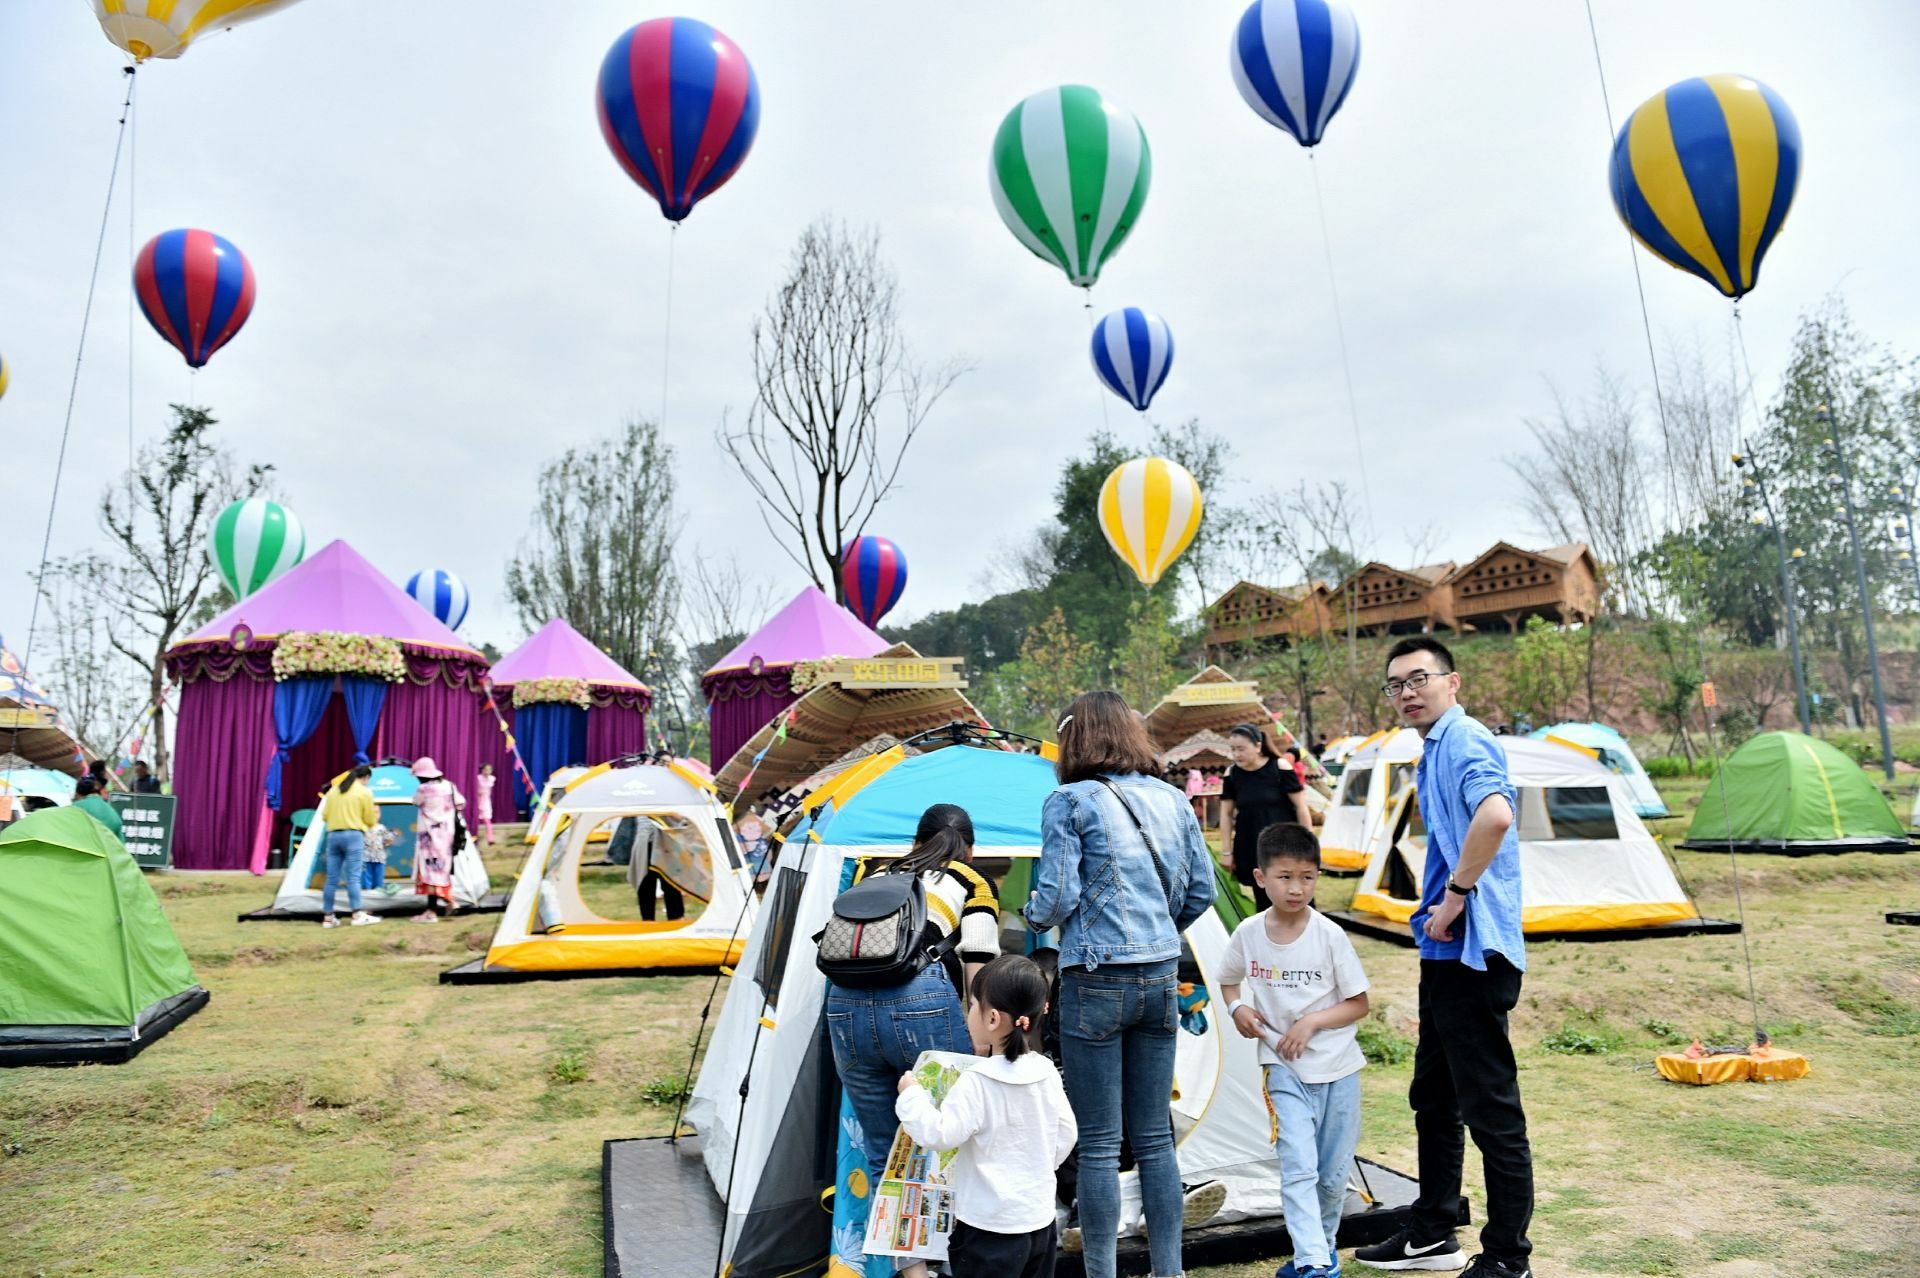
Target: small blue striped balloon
440, 593
1133, 353
1294, 61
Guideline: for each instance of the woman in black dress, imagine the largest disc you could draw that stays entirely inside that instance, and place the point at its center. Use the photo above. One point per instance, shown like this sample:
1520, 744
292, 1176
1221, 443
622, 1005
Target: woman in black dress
1258, 791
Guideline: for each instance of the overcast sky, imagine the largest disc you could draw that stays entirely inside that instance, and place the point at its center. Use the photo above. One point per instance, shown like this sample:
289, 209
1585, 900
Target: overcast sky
457, 280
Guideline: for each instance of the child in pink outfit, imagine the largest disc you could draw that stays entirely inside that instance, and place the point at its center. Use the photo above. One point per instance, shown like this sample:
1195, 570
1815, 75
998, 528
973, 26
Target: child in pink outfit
483, 814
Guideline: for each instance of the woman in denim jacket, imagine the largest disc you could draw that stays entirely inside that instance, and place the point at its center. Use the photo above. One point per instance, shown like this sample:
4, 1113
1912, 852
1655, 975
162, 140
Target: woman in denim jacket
1123, 871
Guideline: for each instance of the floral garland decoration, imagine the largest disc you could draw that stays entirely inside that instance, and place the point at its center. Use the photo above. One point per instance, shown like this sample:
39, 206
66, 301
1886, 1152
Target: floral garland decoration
328, 652
802, 676
533, 692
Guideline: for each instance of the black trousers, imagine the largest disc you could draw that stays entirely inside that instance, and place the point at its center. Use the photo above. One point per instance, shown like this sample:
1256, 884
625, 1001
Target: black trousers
1463, 1072
975, 1253
676, 903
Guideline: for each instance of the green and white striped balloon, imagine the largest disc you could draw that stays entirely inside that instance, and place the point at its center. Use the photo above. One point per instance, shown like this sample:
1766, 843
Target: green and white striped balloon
254, 541
1070, 174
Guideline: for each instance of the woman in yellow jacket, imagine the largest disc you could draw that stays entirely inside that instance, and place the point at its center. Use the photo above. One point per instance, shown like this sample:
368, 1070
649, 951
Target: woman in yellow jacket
347, 812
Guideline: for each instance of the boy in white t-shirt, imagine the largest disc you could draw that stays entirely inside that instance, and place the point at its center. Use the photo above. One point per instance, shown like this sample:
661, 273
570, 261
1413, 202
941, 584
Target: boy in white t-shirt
1292, 981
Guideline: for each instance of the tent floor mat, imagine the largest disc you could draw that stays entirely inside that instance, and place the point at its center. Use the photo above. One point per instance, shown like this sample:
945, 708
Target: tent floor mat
662, 1218
1386, 930
386, 907
1909, 917
478, 973
103, 1052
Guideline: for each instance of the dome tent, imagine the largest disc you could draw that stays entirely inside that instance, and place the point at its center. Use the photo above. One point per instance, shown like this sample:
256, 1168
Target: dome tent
1788, 792
1376, 772
541, 687
89, 968
1612, 750
750, 685
366, 672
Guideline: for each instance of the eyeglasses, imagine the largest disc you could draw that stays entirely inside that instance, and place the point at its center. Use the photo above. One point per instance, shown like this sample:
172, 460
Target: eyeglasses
1412, 683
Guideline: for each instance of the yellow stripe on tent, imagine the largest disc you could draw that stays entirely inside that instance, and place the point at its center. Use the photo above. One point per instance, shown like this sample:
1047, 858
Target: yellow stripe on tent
1342, 858
1589, 751
1551, 918
1833, 807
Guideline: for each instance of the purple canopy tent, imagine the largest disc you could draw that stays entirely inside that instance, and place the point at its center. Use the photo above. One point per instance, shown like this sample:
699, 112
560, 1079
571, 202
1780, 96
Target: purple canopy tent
250, 749
552, 730
750, 685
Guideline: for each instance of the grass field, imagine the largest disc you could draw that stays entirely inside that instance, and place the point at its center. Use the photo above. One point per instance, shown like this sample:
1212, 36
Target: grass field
335, 1111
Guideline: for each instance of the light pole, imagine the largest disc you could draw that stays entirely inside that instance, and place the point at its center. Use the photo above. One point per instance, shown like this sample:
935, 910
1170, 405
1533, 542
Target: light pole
1756, 483
1837, 454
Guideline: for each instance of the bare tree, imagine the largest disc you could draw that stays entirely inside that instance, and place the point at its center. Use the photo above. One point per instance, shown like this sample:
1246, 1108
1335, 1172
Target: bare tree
90, 681
158, 521
838, 397
721, 601
601, 549
1027, 562
1703, 432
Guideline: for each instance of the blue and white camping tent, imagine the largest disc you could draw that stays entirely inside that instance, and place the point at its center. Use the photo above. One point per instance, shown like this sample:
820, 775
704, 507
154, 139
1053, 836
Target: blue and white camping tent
1611, 749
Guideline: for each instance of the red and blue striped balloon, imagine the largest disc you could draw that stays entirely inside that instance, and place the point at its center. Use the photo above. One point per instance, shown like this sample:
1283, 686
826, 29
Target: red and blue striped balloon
196, 289
873, 574
679, 107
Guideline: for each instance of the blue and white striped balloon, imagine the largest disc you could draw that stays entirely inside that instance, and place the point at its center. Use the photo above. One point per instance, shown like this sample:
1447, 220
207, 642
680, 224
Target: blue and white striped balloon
1133, 353
1294, 61
440, 593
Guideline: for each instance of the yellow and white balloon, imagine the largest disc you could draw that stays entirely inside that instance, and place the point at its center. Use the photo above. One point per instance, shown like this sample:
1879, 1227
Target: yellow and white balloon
164, 28
1149, 510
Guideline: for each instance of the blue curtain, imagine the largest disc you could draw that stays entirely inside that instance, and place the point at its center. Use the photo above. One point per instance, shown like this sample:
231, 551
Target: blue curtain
552, 735
364, 697
298, 705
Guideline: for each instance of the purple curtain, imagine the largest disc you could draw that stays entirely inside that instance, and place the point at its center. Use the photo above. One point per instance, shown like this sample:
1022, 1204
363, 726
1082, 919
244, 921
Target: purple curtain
220, 750
364, 697
438, 720
615, 730
509, 793
297, 706
740, 704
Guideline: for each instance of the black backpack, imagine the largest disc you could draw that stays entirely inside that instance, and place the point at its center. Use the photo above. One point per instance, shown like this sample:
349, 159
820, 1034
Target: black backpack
876, 937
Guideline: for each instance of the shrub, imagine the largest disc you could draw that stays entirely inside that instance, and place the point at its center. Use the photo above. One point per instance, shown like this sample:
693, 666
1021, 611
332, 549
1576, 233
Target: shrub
664, 1091
568, 1067
1583, 1036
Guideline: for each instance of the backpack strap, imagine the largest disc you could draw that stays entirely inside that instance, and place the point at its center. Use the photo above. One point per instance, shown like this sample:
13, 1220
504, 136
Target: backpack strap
1159, 868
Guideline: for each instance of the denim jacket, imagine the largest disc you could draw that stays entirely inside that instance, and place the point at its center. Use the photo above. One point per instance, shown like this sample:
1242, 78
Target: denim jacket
1097, 882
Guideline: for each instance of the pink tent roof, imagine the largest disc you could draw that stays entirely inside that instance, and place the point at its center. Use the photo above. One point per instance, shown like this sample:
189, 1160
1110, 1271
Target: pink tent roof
558, 651
811, 627
335, 589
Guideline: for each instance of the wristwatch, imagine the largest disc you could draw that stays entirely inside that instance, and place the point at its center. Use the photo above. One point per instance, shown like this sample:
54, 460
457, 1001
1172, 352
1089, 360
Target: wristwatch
1457, 890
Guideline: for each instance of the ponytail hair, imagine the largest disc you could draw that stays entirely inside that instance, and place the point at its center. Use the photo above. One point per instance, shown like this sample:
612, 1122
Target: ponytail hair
360, 772
944, 836
1014, 986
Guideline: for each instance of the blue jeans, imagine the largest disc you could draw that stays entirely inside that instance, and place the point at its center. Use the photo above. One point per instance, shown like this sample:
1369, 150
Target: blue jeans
878, 1035
1319, 1128
345, 850
1117, 1033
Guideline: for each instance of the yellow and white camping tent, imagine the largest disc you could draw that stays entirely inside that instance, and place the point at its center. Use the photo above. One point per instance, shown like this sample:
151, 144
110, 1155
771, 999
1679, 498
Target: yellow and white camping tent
1589, 867
1377, 771
550, 932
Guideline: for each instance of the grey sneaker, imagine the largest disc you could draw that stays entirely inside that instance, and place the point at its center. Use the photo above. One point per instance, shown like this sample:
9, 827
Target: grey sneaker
1202, 1203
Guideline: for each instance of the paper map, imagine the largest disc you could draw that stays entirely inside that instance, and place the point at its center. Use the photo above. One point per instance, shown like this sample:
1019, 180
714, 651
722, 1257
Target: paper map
912, 1211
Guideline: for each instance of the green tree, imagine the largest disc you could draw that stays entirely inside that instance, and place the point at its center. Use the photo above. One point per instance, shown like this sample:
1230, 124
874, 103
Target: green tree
1144, 666
1545, 671
1054, 666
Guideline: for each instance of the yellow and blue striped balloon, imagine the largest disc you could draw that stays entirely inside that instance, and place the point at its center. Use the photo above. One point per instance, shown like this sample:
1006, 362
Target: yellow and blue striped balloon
1703, 174
1149, 510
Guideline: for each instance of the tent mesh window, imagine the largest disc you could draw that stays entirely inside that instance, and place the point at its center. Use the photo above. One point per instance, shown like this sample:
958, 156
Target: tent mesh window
1566, 812
1399, 881
1399, 777
785, 904
1355, 795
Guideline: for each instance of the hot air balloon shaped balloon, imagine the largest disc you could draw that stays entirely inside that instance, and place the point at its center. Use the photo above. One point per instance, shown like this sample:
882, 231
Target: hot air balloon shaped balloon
5, 375
873, 575
253, 542
196, 289
164, 28
1294, 61
1703, 174
440, 593
1149, 509
1133, 353
1070, 174
679, 107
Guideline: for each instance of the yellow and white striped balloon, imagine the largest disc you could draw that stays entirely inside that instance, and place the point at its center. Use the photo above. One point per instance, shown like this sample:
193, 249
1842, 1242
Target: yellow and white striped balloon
164, 28
1149, 509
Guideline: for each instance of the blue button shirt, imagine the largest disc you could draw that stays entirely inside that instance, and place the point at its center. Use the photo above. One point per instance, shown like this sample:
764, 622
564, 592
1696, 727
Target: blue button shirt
1461, 766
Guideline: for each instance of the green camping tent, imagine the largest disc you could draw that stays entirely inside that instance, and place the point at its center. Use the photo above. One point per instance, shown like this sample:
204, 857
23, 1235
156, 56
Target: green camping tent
1787, 792
89, 968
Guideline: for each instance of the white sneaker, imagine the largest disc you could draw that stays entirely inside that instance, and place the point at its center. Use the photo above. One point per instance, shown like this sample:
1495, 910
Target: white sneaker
1202, 1203
329, 921
362, 918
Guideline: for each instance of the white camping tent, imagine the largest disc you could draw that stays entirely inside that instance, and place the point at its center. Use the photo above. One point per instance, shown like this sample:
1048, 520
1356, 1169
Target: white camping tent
550, 794
549, 932
761, 1101
1587, 862
393, 789
1376, 772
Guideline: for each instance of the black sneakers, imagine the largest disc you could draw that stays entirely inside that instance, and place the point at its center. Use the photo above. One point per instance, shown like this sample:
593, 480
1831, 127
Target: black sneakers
1404, 1251
1484, 1266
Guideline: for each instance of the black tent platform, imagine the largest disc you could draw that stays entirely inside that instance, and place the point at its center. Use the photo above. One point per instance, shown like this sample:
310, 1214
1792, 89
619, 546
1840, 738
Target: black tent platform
476, 972
1909, 917
1400, 934
374, 903
662, 1218
96, 1044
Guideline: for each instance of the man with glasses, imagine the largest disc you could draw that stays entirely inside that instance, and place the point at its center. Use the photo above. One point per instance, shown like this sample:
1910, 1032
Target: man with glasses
1471, 960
